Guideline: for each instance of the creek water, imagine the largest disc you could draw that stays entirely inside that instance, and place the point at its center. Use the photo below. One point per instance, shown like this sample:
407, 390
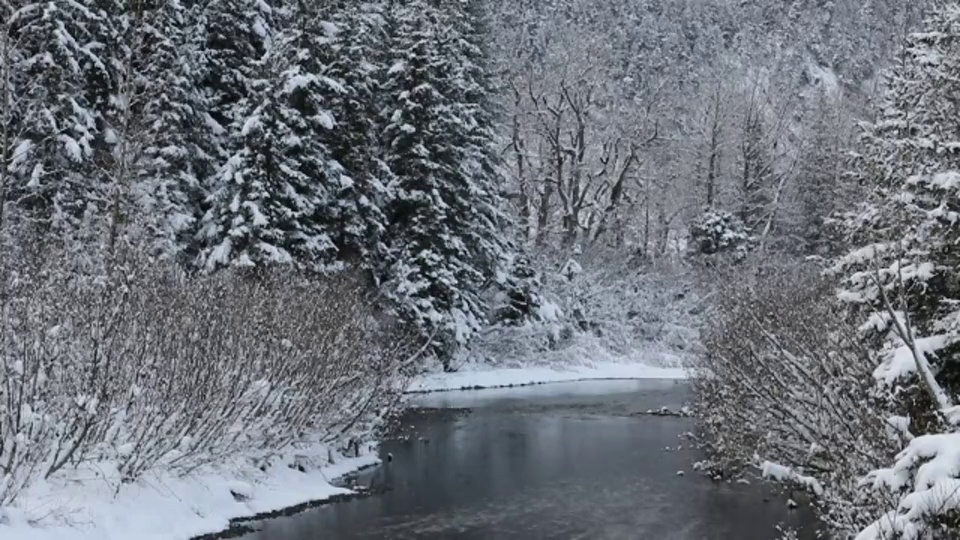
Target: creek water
572, 460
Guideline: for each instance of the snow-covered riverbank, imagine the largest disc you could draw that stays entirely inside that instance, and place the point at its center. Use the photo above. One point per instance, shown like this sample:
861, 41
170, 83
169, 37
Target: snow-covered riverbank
476, 377
92, 505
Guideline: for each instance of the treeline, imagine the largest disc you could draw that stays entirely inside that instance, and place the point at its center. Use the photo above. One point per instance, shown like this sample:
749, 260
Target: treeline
248, 134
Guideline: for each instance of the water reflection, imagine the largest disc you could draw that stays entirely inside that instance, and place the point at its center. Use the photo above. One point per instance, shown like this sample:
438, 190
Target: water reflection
567, 461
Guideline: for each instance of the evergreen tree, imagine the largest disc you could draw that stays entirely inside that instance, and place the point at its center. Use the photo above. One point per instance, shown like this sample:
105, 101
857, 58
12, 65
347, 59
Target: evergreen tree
237, 36
349, 40
11, 111
62, 84
158, 127
443, 215
905, 234
274, 187
475, 133
904, 270
718, 232
821, 190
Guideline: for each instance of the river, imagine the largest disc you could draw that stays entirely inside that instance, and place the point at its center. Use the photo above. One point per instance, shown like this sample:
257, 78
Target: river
572, 460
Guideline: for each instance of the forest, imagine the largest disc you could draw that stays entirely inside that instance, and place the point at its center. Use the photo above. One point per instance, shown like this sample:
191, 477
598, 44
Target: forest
242, 226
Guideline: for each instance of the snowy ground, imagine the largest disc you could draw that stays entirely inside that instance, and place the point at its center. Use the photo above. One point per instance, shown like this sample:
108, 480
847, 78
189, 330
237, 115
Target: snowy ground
472, 377
162, 507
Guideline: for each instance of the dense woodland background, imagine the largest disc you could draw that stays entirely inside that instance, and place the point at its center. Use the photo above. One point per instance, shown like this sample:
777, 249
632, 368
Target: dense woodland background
220, 194
438, 146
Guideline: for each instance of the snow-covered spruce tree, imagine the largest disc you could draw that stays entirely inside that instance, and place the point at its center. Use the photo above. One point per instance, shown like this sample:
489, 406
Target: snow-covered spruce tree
821, 191
442, 214
237, 35
11, 111
61, 82
719, 232
231, 37
160, 126
904, 233
348, 36
902, 274
273, 188
473, 84
522, 292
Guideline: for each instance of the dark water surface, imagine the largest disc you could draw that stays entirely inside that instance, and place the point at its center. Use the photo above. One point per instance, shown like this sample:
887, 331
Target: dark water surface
558, 461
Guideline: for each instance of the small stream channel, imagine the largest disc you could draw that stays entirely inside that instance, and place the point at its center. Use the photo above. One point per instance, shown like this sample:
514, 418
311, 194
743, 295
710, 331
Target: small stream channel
572, 460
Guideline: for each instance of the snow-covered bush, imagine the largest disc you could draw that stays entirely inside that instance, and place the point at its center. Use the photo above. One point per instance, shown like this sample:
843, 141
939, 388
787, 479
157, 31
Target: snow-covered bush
719, 232
599, 305
786, 385
144, 368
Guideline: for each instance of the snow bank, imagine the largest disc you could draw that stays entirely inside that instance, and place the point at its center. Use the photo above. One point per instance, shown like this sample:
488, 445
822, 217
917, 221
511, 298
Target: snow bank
479, 377
92, 505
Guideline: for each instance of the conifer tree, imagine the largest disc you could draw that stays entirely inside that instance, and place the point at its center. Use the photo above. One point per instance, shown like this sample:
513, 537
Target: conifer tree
426, 259
353, 34
472, 82
237, 35
273, 188
53, 174
443, 214
902, 268
157, 130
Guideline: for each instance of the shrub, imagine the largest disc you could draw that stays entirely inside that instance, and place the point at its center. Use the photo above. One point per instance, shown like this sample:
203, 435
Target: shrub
719, 232
785, 384
144, 367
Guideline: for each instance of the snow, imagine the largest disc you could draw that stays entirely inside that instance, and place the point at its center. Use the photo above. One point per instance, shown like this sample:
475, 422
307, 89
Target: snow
899, 427
326, 120
330, 28
900, 361
786, 474
550, 311
251, 125
946, 181
72, 148
518, 376
826, 77
35, 176
298, 82
90, 506
952, 415
220, 254
259, 220
934, 486
21, 152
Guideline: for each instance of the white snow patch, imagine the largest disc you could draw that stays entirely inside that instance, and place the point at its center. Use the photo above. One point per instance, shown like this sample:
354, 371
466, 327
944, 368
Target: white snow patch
826, 77
948, 181
899, 362
786, 474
